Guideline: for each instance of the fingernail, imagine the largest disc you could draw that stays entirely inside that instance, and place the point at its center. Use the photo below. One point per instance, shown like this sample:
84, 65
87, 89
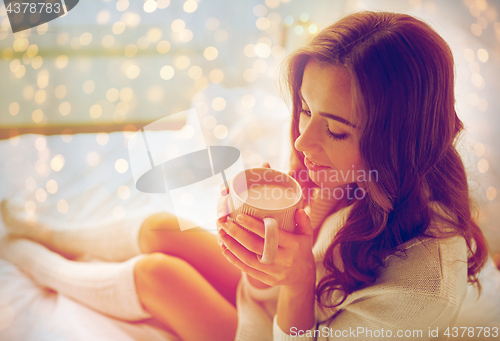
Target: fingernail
222, 232
224, 247
219, 215
240, 218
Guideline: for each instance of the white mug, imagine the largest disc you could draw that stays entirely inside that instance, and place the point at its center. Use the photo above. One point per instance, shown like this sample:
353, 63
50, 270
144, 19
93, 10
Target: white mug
269, 195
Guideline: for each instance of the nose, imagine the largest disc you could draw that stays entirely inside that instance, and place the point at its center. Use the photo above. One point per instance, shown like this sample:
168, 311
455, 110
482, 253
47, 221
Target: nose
309, 139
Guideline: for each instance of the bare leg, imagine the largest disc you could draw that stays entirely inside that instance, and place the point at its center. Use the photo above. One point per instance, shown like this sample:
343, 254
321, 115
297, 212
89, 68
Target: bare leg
199, 248
181, 298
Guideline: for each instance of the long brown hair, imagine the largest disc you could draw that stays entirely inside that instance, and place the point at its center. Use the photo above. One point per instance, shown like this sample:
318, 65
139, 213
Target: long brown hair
402, 80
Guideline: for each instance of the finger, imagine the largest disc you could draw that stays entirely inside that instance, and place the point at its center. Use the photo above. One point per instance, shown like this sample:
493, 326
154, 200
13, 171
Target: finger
224, 190
222, 209
247, 240
256, 226
303, 223
257, 274
266, 165
220, 241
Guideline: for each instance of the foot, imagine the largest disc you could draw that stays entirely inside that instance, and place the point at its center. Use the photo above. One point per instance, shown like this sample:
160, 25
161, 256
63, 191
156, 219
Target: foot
19, 223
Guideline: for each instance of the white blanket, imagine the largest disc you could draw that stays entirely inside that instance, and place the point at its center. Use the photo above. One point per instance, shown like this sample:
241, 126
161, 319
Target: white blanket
28, 312
89, 183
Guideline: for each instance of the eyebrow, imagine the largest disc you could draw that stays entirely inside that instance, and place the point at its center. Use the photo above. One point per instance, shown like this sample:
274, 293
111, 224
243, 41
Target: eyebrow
337, 118
331, 116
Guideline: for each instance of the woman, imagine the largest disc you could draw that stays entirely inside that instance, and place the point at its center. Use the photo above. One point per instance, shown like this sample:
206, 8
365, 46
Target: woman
373, 119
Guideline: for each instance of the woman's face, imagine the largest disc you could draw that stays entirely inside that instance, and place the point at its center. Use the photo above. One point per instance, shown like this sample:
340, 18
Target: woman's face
329, 131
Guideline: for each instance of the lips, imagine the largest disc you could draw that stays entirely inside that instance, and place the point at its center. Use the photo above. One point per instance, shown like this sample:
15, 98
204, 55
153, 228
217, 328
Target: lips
313, 165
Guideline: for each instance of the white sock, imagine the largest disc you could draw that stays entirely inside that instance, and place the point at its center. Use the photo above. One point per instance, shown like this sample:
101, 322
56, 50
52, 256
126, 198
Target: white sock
106, 287
115, 240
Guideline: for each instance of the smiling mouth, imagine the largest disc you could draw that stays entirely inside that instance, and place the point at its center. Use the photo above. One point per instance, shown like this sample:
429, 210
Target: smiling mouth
316, 164
313, 165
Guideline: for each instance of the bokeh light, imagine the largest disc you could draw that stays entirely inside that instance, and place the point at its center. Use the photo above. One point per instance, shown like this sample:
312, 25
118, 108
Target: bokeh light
118, 27
57, 163
63, 206
216, 75
163, 47
30, 207
178, 25
130, 50
95, 111
123, 192
260, 10
89, 86
121, 166
65, 108
210, 53
482, 55
60, 91
491, 193
167, 72
182, 62
41, 195
248, 101
218, 103
41, 143
150, 6
102, 138
37, 116
93, 159
483, 165
52, 186
61, 61
67, 135
195, 72
190, 6
14, 108
220, 131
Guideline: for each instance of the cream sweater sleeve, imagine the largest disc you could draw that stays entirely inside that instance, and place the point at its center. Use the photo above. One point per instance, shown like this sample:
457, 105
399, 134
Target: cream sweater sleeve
417, 297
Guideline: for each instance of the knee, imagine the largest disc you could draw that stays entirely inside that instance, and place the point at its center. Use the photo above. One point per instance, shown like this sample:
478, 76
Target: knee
157, 267
161, 221
149, 238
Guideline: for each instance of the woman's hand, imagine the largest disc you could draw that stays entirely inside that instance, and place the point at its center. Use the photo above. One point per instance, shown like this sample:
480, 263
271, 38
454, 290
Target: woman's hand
222, 213
294, 265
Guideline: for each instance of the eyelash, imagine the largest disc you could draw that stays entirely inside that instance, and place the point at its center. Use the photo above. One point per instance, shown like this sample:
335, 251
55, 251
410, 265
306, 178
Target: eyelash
328, 132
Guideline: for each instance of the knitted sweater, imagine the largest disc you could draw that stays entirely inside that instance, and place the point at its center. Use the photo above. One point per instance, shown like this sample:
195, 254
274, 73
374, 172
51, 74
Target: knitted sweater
414, 297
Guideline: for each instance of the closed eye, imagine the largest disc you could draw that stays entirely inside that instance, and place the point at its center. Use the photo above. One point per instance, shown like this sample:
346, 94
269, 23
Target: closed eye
328, 132
335, 136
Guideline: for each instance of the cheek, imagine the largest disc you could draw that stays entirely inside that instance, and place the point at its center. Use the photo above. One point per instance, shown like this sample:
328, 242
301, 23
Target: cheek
344, 157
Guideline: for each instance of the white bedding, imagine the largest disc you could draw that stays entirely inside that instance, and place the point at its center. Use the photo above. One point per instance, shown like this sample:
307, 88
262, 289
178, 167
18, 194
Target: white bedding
89, 183
28, 312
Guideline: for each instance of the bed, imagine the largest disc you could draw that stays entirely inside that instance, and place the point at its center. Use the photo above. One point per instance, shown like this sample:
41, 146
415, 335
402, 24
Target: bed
94, 181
